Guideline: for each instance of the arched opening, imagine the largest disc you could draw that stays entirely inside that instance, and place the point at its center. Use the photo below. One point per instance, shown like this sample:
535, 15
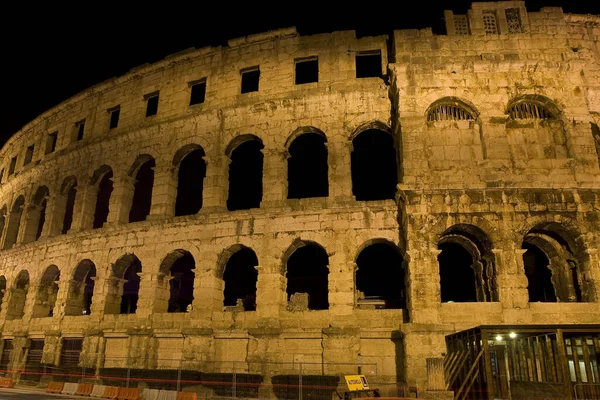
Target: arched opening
467, 266
2, 289
374, 166
70, 189
380, 277
36, 217
190, 179
103, 179
555, 264
81, 291
240, 278
124, 286
307, 167
451, 109
14, 223
47, 292
532, 106
178, 270
142, 193
245, 174
307, 278
18, 295
596, 136
2, 220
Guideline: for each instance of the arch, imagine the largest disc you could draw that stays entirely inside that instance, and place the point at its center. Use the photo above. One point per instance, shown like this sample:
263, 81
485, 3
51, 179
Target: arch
532, 106
301, 131
124, 285
46, 293
245, 172
371, 125
308, 168
191, 170
143, 169
380, 280
81, 291
18, 295
102, 180
3, 212
36, 215
68, 189
466, 265
451, 108
14, 222
374, 165
178, 270
555, 262
306, 264
596, 136
240, 277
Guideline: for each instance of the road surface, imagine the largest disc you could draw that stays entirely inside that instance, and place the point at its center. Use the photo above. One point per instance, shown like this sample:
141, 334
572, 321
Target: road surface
23, 394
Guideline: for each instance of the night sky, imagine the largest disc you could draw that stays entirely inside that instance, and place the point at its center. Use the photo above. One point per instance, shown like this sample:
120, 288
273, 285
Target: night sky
54, 51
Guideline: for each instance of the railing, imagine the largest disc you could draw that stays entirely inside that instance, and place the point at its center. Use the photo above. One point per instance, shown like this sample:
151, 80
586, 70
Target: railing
587, 391
209, 379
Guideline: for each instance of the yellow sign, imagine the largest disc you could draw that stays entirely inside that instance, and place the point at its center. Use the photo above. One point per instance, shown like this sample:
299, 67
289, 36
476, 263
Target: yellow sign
356, 382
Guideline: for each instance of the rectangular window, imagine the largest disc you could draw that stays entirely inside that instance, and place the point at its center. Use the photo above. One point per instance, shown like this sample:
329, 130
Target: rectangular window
461, 25
513, 20
114, 116
198, 91
29, 155
12, 166
368, 64
151, 104
250, 78
5, 358
51, 142
80, 128
307, 70
489, 23
69, 355
33, 364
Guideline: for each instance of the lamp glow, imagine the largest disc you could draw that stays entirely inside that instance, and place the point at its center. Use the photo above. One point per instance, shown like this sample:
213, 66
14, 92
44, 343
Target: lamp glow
498, 338
512, 335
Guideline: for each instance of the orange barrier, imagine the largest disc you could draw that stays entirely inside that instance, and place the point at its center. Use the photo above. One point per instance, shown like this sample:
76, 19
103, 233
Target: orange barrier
84, 389
187, 396
111, 392
129, 394
6, 383
55, 387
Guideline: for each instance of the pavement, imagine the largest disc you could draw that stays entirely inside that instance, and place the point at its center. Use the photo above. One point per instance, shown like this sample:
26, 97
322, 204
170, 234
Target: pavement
33, 394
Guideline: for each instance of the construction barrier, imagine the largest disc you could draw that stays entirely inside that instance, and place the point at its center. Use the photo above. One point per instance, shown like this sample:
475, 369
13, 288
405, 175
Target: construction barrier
187, 396
85, 389
167, 395
6, 383
150, 394
70, 388
55, 387
111, 392
129, 394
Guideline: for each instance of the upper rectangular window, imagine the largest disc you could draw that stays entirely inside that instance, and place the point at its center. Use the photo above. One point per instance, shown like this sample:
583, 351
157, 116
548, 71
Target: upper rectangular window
307, 70
28, 155
250, 79
368, 64
114, 112
151, 104
51, 142
461, 25
489, 23
12, 166
513, 20
80, 128
198, 91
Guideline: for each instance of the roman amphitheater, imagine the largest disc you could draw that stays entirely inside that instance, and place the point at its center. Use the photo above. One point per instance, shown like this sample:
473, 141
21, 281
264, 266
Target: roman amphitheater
338, 203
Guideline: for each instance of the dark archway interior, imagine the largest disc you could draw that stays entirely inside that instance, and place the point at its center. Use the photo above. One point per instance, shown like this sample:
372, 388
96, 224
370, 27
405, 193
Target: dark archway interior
105, 188
192, 171
380, 275
142, 195
41, 219
307, 273
240, 278
2, 289
596, 135
374, 166
307, 167
245, 176
539, 276
48, 289
84, 274
131, 288
457, 277
70, 206
182, 283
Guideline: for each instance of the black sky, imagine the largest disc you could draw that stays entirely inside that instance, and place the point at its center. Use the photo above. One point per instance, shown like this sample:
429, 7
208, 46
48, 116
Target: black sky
53, 51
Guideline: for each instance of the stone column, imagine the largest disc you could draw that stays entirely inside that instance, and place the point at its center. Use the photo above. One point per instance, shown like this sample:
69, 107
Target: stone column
121, 200
107, 296
511, 278
55, 215
84, 208
216, 184
340, 171
590, 277
271, 295
275, 177
164, 192
147, 299
423, 285
208, 288
16, 300
73, 303
61, 297
33, 214
341, 285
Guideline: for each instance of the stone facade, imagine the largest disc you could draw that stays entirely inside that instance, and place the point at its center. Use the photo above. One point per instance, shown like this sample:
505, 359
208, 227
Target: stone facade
495, 127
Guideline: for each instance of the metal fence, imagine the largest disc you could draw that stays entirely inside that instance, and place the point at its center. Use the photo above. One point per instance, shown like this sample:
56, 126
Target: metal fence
587, 391
214, 379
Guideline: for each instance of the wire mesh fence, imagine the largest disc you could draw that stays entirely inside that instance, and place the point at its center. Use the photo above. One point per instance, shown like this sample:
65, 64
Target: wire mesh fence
214, 379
